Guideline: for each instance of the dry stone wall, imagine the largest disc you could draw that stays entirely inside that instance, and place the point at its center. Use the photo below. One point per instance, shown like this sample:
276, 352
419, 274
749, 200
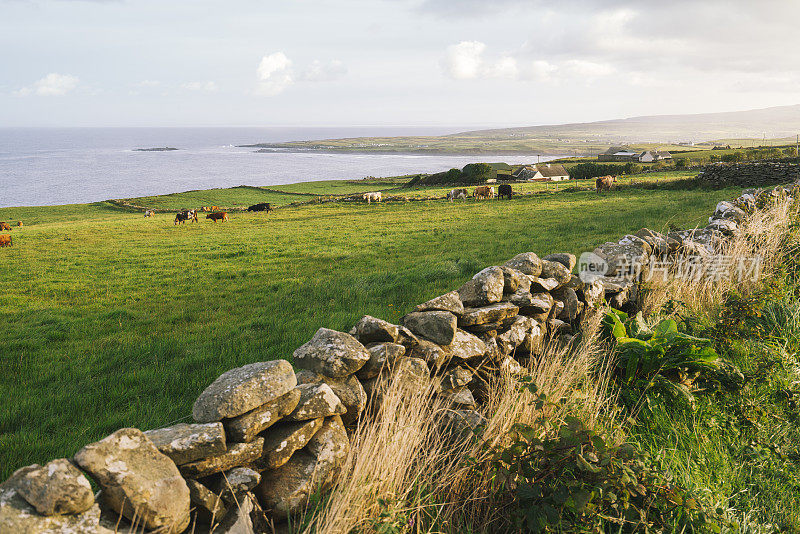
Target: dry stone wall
749, 174
267, 435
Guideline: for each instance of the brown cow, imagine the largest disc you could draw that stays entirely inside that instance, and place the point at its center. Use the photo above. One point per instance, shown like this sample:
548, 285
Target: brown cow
19, 223
5, 226
604, 182
6, 241
483, 191
214, 208
223, 215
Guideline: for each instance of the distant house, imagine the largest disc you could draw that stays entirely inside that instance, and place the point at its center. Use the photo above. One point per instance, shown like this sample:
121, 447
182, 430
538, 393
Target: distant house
618, 153
650, 156
541, 172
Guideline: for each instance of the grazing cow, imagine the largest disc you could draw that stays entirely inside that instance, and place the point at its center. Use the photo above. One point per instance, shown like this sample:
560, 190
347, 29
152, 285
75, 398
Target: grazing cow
222, 215
505, 191
214, 208
264, 206
604, 182
5, 226
19, 224
369, 197
6, 241
149, 213
456, 194
183, 216
483, 191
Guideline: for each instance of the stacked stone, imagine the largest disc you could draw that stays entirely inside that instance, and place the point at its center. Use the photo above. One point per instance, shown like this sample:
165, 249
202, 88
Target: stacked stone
265, 436
749, 174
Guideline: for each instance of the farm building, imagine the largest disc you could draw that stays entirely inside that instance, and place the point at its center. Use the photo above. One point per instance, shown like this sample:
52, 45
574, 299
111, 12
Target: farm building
616, 153
541, 172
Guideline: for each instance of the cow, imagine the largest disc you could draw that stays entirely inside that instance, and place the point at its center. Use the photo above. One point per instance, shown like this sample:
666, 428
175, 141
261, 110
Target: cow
222, 215
483, 191
369, 197
149, 213
6, 241
19, 224
214, 208
5, 226
456, 194
264, 206
505, 191
183, 216
604, 182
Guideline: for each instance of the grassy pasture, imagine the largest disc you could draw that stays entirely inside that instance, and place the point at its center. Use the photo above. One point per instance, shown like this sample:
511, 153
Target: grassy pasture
232, 197
113, 320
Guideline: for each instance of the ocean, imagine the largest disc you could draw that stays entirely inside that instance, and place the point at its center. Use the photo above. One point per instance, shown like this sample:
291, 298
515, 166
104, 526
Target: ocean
51, 166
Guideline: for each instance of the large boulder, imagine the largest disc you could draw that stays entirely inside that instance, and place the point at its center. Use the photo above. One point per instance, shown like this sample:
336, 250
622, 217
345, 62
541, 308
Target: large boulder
381, 355
57, 488
564, 258
246, 427
485, 288
466, 346
436, 326
555, 270
332, 353
316, 400
18, 516
284, 439
450, 302
372, 330
137, 480
488, 314
527, 263
185, 443
513, 279
330, 446
286, 489
348, 389
238, 454
243, 389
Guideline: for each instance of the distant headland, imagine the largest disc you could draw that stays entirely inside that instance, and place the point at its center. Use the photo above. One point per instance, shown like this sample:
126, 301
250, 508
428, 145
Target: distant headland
155, 149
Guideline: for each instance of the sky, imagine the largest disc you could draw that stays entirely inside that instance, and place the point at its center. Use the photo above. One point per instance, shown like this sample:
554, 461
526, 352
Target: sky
460, 63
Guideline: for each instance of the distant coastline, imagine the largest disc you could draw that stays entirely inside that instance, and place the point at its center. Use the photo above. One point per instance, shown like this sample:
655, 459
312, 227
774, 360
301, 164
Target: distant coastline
268, 148
155, 149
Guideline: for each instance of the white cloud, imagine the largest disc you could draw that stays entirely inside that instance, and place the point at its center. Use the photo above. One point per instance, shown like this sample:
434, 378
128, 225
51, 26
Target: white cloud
319, 71
148, 83
205, 87
53, 84
463, 61
274, 74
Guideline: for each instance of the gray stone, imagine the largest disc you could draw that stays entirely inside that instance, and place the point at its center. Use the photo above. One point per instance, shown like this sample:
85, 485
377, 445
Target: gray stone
381, 355
509, 340
330, 446
594, 293
564, 258
456, 378
450, 302
437, 326
637, 241
411, 373
332, 353
316, 400
431, 353
510, 366
488, 314
622, 258
460, 424
407, 339
512, 279
726, 226
485, 288
284, 439
726, 210
57, 488
349, 390
371, 330
208, 506
238, 519
557, 326
556, 271
571, 304
533, 303
466, 346
137, 480
247, 426
185, 443
238, 454
527, 262
17, 516
243, 389
233, 483
286, 489
543, 285
460, 397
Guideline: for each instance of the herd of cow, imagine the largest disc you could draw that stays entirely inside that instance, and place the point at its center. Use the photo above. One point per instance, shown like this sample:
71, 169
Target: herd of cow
6, 240
215, 215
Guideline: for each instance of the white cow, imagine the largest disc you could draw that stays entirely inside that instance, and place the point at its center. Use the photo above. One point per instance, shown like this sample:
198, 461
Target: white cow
149, 213
457, 194
376, 196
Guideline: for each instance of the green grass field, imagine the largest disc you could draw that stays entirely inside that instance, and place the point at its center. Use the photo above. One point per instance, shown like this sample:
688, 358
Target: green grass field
113, 320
